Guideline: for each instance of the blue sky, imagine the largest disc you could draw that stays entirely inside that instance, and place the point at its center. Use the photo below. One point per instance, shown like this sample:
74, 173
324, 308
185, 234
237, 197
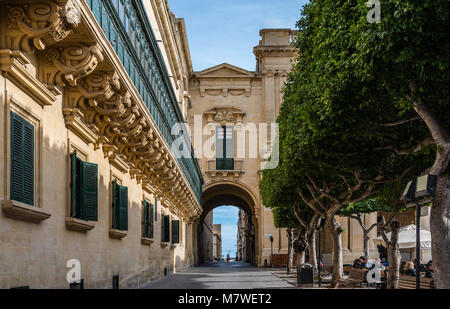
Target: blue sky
228, 217
227, 30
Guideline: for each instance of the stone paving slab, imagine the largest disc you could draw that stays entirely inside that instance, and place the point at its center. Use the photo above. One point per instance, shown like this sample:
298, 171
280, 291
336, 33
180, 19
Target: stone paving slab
222, 275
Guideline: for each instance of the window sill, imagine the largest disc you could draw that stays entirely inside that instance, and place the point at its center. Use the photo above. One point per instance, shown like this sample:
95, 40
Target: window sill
164, 244
78, 225
20, 211
146, 241
117, 234
173, 246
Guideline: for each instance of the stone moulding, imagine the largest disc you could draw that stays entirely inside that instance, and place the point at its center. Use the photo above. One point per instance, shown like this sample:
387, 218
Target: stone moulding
224, 115
164, 244
117, 234
78, 225
224, 174
21, 211
12, 63
146, 241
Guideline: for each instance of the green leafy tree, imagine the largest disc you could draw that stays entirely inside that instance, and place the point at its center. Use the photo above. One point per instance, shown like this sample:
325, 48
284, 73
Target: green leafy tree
408, 52
344, 135
284, 218
278, 190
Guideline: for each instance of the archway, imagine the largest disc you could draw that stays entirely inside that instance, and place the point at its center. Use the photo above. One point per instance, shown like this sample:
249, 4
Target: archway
229, 194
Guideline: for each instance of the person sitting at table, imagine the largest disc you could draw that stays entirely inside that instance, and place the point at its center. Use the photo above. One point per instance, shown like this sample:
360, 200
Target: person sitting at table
410, 271
358, 262
366, 264
403, 268
430, 272
422, 267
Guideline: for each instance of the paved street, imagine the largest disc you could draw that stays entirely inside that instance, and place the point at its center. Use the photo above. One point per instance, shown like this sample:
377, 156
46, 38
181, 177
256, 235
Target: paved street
221, 275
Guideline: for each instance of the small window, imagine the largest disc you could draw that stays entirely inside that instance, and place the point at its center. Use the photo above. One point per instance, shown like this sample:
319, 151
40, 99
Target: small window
84, 189
22, 160
165, 229
147, 222
175, 231
120, 207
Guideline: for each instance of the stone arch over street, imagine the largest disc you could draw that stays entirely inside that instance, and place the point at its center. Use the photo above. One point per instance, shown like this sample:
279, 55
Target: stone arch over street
227, 193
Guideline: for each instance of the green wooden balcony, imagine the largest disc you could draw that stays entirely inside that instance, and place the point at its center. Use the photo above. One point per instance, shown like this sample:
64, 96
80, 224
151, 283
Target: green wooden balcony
126, 25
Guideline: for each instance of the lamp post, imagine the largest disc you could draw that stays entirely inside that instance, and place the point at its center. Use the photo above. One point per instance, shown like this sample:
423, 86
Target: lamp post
271, 251
418, 192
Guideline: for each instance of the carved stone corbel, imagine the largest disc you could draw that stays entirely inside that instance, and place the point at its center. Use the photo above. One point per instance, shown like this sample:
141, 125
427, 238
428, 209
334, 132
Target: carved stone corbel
69, 65
39, 25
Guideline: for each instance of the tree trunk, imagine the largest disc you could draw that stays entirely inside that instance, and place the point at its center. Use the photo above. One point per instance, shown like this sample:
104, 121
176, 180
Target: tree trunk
289, 258
394, 256
366, 243
440, 233
338, 267
301, 257
312, 251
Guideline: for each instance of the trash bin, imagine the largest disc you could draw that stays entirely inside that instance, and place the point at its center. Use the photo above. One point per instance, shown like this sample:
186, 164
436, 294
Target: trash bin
305, 275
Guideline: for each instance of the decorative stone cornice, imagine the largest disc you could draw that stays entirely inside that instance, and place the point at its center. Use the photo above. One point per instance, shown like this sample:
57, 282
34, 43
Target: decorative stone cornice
275, 51
224, 115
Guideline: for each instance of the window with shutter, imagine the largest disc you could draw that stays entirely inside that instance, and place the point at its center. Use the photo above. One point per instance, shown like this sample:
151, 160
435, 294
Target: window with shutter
225, 148
145, 221
156, 209
22, 160
175, 231
123, 208
88, 190
120, 207
166, 229
84, 185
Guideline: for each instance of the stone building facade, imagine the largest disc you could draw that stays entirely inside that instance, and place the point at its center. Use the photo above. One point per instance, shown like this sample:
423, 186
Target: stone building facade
217, 242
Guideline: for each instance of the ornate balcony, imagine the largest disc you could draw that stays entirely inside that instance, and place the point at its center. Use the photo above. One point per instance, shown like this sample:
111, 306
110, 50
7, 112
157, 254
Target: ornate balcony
220, 169
117, 92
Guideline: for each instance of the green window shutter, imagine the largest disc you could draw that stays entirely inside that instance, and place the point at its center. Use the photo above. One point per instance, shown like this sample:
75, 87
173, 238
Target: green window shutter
166, 229
28, 164
145, 229
229, 148
151, 221
123, 219
22, 160
116, 205
220, 134
175, 231
89, 191
156, 209
16, 158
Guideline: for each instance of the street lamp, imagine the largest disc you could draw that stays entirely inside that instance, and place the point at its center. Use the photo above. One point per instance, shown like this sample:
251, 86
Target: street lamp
418, 192
319, 226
